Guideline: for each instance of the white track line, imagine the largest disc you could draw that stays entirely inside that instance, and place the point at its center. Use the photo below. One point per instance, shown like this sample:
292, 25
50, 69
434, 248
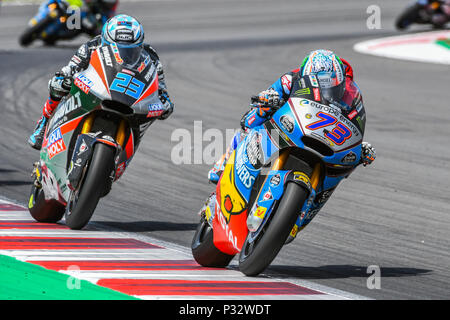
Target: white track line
420, 47
169, 251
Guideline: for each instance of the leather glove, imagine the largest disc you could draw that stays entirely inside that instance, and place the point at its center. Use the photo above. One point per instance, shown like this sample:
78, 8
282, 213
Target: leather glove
59, 85
269, 97
167, 104
265, 101
368, 154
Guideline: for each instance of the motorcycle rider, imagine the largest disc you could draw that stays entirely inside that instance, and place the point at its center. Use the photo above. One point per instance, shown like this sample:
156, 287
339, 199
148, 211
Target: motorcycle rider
105, 8
113, 30
335, 77
441, 15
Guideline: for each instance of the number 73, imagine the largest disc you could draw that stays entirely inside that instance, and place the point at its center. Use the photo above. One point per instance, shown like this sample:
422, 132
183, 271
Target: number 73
339, 134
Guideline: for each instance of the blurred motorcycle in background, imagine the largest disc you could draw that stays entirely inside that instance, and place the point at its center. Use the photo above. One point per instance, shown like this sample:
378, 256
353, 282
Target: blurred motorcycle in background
436, 13
67, 19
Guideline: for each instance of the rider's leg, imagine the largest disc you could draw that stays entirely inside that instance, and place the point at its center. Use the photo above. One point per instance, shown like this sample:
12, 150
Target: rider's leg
36, 138
215, 173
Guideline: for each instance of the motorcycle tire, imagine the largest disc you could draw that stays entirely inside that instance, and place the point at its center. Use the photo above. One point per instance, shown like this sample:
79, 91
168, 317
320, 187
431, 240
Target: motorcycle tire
94, 185
256, 256
203, 249
30, 34
410, 16
49, 211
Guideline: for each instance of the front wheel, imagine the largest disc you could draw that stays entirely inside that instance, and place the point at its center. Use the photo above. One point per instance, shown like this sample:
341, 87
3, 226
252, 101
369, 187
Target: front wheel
408, 17
255, 256
83, 202
203, 249
31, 33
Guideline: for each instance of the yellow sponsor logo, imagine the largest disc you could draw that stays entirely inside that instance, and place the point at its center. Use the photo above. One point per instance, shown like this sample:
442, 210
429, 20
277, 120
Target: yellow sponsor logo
260, 212
30, 203
300, 176
231, 201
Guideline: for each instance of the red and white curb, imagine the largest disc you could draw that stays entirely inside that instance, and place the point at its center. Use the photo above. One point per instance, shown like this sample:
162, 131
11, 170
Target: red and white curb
421, 47
139, 266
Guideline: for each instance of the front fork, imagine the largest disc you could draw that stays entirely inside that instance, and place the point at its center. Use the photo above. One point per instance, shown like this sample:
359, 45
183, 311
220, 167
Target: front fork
84, 147
258, 215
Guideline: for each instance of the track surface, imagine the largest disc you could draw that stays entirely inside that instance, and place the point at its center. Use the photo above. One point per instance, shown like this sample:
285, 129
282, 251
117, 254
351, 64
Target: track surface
394, 214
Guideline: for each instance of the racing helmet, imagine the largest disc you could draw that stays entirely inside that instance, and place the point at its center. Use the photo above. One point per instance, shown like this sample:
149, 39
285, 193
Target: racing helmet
329, 70
123, 30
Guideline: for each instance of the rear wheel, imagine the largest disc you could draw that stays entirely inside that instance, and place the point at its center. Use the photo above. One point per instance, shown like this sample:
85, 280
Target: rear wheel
95, 184
256, 255
203, 249
42, 210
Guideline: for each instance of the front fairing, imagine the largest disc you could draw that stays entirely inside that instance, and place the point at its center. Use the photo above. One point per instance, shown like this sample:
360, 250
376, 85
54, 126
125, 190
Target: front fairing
108, 77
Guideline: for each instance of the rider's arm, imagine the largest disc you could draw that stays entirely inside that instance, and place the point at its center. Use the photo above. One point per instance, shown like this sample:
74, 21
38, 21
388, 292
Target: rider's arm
162, 87
282, 87
80, 60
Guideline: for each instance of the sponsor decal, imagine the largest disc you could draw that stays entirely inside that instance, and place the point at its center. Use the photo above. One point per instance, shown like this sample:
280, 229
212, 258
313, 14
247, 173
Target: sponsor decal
303, 92
76, 60
64, 108
144, 64
155, 110
304, 102
55, 143
324, 196
228, 232
316, 94
275, 180
308, 116
254, 153
286, 83
107, 56
349, 157
287, 122
124, 35
243, 173
300, 176
120, 170
251, 119
83, 83
294, 231
267, 196
352, 114
124, 23
314, 81
128, 72
260, 212
83, 147
82, 51
116, 53
311, 214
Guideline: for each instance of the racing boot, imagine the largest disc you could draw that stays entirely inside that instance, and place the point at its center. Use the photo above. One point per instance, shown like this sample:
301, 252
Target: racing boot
36, 138
215, 173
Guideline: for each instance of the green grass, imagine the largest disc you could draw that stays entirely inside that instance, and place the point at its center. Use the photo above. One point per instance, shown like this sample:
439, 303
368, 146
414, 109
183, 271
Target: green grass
25, 281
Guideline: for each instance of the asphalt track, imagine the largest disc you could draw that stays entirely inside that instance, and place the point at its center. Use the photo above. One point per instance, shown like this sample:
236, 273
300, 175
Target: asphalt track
393, 214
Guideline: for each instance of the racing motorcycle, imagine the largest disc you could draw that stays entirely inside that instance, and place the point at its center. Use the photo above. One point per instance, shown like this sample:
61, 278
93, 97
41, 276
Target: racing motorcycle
93, 134
277, 179
52, 22
420, 12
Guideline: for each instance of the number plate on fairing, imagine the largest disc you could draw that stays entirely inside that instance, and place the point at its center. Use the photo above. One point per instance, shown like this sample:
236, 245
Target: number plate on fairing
325, 123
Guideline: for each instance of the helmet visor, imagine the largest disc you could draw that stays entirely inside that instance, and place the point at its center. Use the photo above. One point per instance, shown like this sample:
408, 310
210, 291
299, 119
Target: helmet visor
130, 55
330, 87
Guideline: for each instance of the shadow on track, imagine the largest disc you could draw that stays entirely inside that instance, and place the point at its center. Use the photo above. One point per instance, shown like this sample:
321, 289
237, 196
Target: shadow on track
147, 226
14, 183
339, 272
